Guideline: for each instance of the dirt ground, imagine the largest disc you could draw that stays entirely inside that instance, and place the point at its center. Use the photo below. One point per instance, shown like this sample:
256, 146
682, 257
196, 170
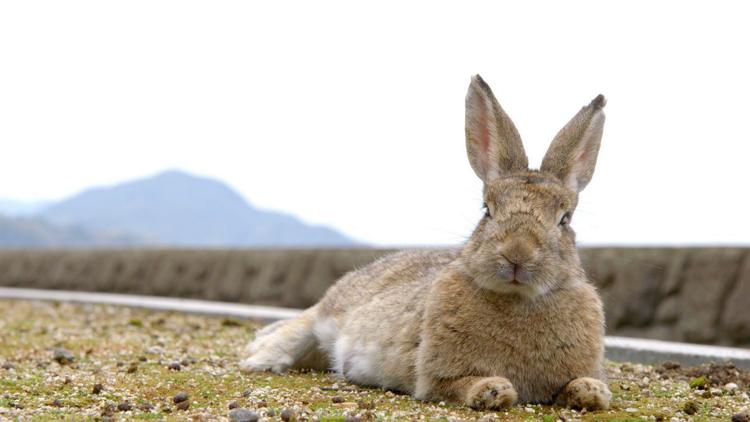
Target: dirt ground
62, 361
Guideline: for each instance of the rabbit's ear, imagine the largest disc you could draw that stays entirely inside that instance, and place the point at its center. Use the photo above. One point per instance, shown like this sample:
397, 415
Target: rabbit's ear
492, 141
572, 155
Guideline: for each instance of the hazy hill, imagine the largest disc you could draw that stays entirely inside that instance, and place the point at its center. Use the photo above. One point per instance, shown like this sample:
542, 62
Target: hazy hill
177, 208
37, 233
21, 208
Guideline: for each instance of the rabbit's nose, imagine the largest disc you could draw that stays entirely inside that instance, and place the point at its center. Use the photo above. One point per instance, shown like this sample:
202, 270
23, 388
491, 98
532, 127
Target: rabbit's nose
519, 253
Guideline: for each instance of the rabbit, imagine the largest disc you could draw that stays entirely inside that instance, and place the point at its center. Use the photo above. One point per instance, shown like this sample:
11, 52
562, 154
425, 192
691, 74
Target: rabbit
507, 318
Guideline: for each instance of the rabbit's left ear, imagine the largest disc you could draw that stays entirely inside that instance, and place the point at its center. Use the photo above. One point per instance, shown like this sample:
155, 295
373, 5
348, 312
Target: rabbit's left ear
572, 155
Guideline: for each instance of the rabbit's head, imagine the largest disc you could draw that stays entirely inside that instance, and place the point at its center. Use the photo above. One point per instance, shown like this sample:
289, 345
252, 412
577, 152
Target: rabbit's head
524, 244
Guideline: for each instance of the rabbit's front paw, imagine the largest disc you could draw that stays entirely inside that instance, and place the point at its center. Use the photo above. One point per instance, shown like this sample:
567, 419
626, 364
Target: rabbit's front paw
586, 393
491, 393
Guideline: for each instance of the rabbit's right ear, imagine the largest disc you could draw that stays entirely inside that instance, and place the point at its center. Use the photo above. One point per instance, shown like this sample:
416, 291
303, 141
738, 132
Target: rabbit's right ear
492, 141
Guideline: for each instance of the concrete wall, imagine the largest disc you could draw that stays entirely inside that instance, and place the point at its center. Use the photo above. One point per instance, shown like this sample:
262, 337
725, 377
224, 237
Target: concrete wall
698, 295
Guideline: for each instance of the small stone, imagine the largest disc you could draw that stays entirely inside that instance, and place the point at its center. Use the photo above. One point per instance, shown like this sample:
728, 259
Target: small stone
174, 366
183, 405
730, 386
741, 417
8, 366
233, 405
690, 407
57, 403
365, 405
242, 415
97, 388
180, 397
631, 410
63, 356
132, 368
262, 403
670, 365
124, 406
247, 393
155, 350
287, 415
529, 410
143, 358
146, 407
337, 399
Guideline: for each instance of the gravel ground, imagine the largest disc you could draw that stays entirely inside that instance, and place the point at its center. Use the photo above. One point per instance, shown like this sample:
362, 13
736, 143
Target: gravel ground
64, 361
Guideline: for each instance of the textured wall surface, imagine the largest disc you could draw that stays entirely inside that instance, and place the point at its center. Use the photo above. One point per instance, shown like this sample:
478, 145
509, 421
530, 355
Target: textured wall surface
694, 294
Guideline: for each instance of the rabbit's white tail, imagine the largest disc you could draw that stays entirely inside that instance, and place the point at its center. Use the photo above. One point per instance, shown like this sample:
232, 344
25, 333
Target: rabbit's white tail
284, 345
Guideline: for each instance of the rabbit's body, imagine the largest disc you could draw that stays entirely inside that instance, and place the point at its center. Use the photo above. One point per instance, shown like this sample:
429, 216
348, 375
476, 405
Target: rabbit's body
508, 317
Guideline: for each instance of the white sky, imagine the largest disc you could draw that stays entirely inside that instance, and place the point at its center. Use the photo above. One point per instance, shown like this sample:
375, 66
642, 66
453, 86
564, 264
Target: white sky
351, 114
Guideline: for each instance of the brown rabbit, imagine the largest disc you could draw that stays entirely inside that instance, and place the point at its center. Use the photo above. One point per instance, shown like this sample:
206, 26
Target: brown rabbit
509, 317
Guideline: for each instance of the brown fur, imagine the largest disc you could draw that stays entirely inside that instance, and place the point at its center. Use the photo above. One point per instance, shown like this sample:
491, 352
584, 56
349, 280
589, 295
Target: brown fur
509, 317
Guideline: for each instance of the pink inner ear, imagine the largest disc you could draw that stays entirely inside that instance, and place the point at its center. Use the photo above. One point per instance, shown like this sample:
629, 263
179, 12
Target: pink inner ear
484, 140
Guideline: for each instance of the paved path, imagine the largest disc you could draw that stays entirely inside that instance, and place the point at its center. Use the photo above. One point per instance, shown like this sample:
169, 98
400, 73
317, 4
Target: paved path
617, 348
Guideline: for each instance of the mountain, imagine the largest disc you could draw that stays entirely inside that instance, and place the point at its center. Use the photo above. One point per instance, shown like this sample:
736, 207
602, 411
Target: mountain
37, 233
176, 208
21, 208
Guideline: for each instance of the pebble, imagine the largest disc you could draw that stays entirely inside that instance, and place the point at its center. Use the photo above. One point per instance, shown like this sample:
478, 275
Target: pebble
183, 405
63, 356
8, 366
529, 410
174, 366
247, 393
730, 386
670, 365
741, 417
287, 415
180, 397
124, 406
337, 399
690, 407
242, 415
233, 405
631, 410
97, 388
155, 350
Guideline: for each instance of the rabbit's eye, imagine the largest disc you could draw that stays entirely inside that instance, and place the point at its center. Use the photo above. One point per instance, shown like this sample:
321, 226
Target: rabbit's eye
486, 210
565, 220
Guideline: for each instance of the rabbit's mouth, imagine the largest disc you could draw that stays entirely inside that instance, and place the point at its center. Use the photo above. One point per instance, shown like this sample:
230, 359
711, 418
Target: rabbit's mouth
511, 279
515, 273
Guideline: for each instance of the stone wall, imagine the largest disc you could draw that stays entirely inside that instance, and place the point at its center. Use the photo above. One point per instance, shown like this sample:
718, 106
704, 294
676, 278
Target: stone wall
699, 295
692, 294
